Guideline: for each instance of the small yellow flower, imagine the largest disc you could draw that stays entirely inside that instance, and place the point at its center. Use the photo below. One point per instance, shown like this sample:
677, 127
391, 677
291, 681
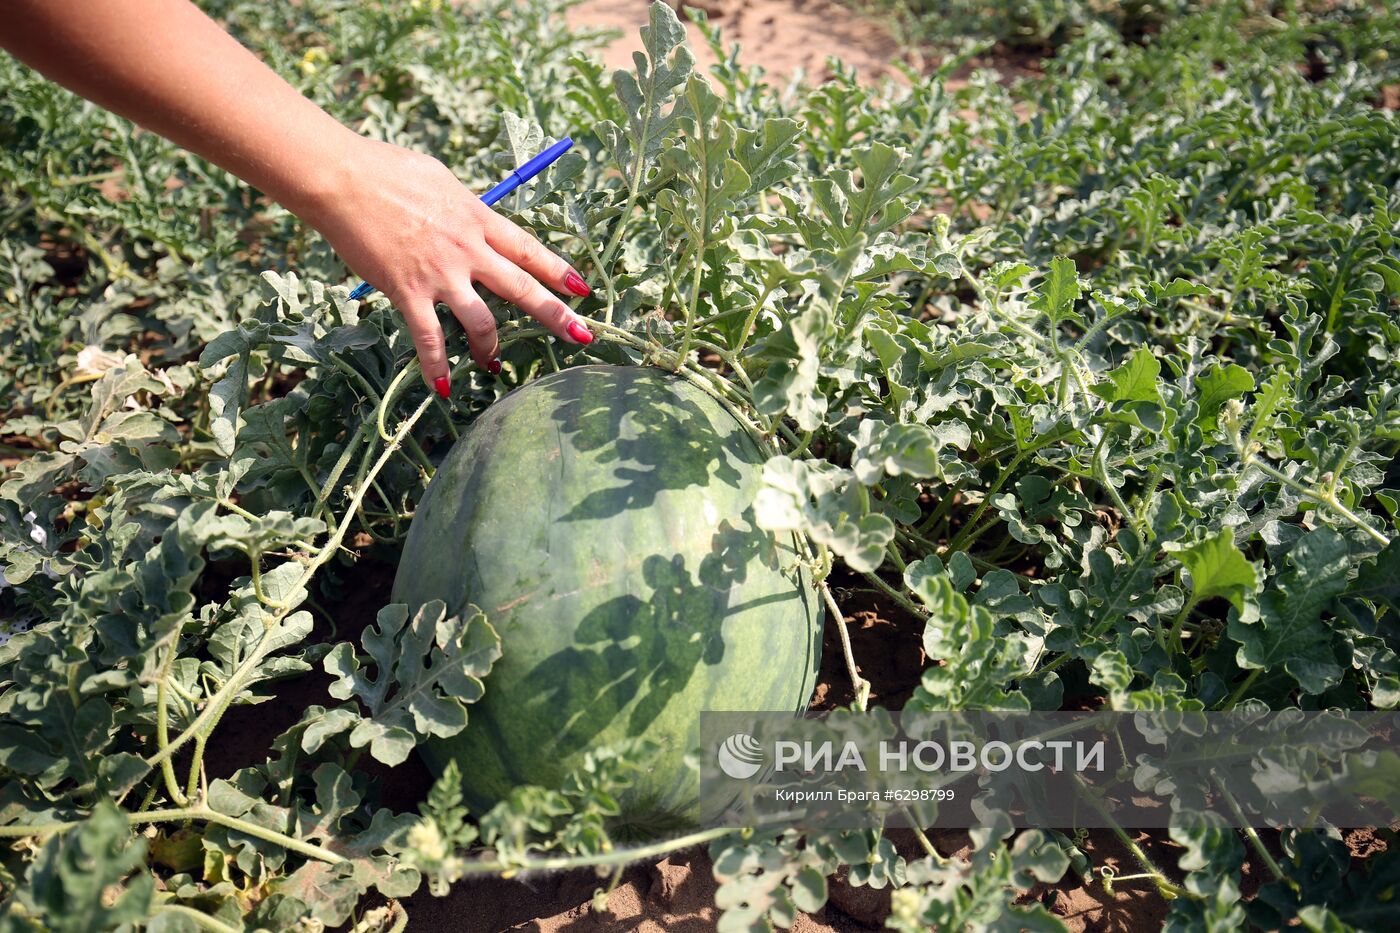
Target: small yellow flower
313, 59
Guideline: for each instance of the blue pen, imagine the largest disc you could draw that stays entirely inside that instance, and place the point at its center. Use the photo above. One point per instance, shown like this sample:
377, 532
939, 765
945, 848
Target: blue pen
508, 184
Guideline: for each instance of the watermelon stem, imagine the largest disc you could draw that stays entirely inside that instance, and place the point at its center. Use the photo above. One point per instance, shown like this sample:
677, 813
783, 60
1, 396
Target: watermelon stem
208, 718
614, 857
925, 843
359, 379
199, 812
862, 686
904, 602
600, 896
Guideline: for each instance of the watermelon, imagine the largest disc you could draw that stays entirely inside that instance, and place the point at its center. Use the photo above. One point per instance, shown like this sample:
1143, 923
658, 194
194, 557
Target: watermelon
602, 516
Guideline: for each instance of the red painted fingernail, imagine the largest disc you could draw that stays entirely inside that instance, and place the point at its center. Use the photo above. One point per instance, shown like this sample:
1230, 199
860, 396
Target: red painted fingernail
579, 332
494, 367
575, 283
442, 386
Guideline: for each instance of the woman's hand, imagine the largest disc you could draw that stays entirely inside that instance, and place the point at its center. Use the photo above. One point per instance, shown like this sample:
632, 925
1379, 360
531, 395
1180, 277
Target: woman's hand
399, 219
403, 222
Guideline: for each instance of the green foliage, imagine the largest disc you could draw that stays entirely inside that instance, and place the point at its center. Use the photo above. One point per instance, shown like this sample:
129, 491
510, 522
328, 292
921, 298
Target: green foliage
977, 664
1095, 373
433, 664
1321, 889
91, 878
946, 894
1032, 23
765, 881
1218, 568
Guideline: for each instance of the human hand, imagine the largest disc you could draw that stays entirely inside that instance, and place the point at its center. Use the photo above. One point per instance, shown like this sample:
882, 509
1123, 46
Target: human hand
420, 236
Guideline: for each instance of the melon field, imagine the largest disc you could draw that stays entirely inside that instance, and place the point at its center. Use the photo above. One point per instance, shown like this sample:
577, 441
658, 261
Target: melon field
1057, 369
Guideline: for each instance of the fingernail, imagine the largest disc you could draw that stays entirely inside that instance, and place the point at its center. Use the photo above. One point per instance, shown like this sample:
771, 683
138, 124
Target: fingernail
494, 367
575, 284
579, 332
442, 386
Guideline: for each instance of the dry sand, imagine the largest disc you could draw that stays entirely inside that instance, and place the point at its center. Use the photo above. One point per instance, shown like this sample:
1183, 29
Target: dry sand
782, 36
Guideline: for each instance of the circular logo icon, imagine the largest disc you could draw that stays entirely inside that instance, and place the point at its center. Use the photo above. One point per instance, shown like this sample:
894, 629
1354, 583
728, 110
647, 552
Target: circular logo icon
740, 756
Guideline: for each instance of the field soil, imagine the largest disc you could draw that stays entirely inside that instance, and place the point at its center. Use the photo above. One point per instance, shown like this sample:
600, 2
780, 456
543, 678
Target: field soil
791, 39
781, 35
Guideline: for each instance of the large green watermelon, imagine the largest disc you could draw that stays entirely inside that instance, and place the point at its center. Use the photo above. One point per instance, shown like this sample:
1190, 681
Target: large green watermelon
602, 517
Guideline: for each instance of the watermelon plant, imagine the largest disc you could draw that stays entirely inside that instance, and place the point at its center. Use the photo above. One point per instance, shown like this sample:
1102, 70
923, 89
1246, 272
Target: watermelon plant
1090, 379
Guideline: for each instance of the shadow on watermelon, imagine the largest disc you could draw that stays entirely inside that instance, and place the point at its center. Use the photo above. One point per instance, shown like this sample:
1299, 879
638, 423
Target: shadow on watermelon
602, 517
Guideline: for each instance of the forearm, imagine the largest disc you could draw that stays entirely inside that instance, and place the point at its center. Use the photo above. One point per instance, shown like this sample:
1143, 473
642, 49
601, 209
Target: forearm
166, 66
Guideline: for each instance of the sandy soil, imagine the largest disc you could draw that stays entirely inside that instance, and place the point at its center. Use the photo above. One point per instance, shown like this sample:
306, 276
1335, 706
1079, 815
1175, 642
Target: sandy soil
783, 36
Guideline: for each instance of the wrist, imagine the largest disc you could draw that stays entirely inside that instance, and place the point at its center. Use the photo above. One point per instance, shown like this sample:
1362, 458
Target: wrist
319, 187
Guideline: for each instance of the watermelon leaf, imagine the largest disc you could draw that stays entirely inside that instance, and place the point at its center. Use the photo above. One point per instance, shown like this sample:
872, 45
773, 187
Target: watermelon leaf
1217, 568
428, 668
